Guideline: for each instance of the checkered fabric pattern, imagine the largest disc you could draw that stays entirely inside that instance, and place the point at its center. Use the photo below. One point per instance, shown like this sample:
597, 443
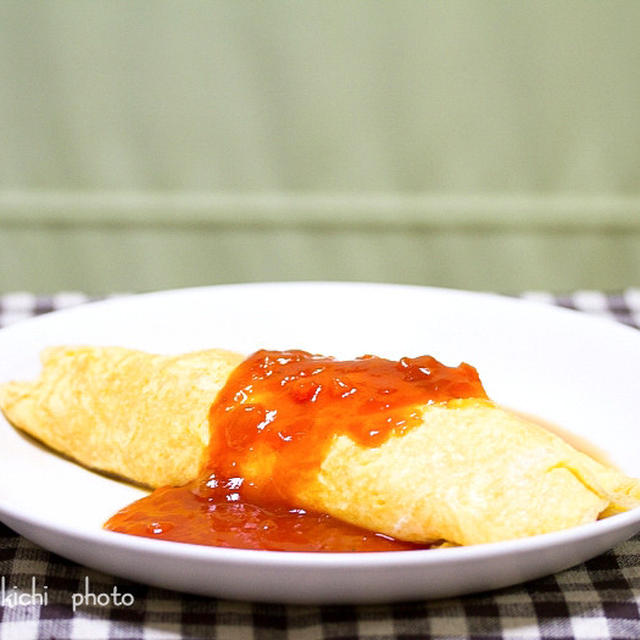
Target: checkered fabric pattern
597, 600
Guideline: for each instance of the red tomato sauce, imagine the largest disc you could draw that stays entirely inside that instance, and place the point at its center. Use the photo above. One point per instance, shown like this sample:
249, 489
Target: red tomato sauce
271, 427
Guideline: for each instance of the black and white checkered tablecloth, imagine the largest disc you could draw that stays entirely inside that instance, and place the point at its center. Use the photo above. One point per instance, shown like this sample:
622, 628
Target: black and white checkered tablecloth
599, 599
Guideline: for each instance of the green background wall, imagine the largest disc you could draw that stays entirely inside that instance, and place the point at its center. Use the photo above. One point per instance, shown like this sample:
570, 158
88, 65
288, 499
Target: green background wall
477, 144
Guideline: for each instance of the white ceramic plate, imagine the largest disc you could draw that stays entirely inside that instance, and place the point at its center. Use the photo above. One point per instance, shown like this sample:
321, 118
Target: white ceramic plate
579, 372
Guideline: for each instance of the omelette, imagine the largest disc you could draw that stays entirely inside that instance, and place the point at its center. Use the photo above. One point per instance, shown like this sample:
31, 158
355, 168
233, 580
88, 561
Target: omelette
454, 467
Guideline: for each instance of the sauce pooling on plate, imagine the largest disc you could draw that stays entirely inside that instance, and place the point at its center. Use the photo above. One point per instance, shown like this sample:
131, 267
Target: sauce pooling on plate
271, 427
